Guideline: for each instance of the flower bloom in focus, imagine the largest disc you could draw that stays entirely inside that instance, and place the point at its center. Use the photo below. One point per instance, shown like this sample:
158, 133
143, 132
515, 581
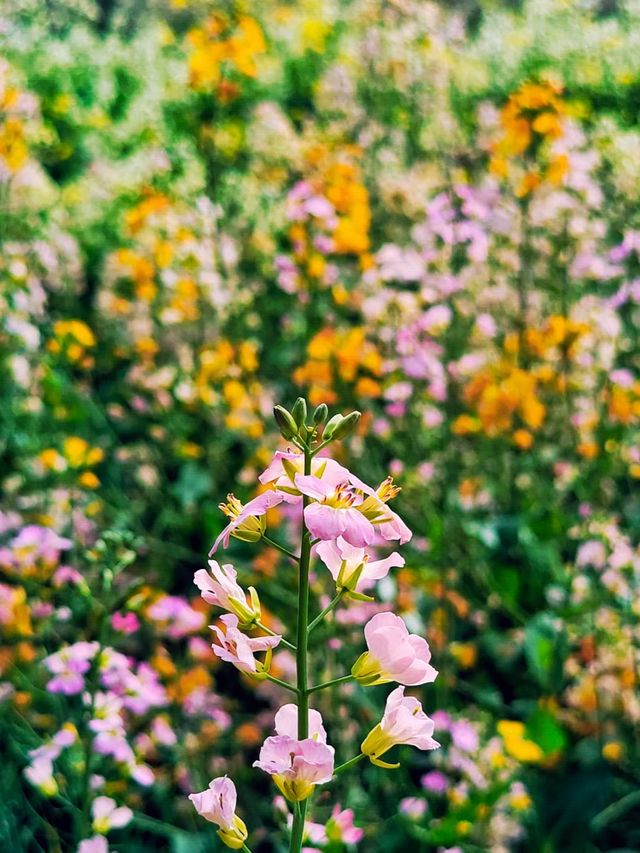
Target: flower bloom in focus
218, 805
394, 654
286, 723
297, 766
404, 721
239, 649
247, 521
222, 590
351, 567
351, 509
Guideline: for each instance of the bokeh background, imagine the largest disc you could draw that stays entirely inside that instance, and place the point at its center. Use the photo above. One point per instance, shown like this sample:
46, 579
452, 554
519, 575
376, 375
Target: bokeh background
426, 211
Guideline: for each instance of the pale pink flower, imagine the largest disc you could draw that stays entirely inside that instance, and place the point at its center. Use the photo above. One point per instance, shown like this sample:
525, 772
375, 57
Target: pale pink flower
285, 465
334, 511
69, 665
95, 844
404, 722
239, 649
286, 723
223, 590
435, 781
296, 765
40, 775
394, 654
351, 567
108, 815
218, 803
340, 827
413, 807
247, 520
179, 618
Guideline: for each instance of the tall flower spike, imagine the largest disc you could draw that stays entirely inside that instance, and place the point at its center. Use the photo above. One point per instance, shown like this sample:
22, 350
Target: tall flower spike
404, 722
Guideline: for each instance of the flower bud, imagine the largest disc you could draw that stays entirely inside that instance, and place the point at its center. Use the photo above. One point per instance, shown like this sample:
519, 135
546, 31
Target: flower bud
320, 414
330, 427
299, 412
345, 426
236, 835
286, 424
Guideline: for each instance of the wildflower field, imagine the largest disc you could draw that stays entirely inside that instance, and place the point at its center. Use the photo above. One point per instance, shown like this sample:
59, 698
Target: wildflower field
319, 426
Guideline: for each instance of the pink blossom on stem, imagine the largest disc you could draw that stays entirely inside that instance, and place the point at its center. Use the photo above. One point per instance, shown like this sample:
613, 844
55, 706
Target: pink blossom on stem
221, 589
297, 766
404, 722
351, 567
394, 654
246, 520
237, 648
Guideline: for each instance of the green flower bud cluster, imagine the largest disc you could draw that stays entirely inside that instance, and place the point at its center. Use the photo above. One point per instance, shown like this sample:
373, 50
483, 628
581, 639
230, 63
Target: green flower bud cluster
293, 424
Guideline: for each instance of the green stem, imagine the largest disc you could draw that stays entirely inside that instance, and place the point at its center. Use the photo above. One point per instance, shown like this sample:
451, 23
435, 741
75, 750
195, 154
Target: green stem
342, 680
281, 548
334, 603
281, 683
350, 763
302, 639
275, 634
245, 849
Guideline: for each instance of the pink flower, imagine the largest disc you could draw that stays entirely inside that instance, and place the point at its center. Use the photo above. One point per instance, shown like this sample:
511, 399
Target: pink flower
107, 815
247, 520
95, 844
222, 590
404, 721
179, 618
413, 807
340, 827
239, 649
351, 567
69, 666
218, 805
435, 781
297, 766
286, 723
126, 623
40, 775
285, 465
394, 654
334, 511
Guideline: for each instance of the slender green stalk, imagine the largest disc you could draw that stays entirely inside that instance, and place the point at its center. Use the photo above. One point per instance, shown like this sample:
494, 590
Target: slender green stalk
302, 639
245, 849
274, 634
281, 683
334, 603
350, 763
342, 680
280, 547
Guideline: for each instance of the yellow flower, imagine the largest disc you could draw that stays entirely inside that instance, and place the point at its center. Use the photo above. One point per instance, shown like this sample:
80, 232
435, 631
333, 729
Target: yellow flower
516, 743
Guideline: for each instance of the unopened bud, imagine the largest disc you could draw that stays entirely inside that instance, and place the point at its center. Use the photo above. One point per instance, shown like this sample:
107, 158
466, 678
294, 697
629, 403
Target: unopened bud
299, 412
286, 424
346, 426
331, 426
321, 414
